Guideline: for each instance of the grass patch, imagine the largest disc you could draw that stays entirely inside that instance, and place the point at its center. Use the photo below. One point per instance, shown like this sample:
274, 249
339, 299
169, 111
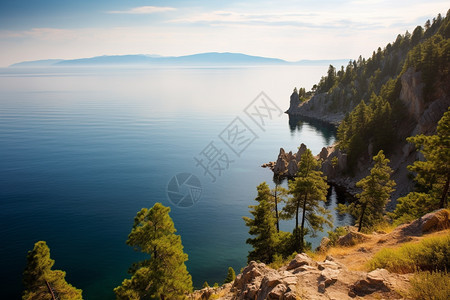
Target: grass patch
430, 286
430, 254
279, 261
384, 227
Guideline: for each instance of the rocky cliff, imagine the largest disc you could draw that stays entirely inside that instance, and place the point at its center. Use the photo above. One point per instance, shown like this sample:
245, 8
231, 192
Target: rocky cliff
420, 117
315, 108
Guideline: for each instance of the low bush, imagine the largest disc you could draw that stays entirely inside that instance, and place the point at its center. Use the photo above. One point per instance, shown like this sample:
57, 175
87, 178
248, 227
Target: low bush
430, 254
430, 286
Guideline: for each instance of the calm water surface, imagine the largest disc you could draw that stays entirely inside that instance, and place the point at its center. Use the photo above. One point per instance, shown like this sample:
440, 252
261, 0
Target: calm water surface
82, 150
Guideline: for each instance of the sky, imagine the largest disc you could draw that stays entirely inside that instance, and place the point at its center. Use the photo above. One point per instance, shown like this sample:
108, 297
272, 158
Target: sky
290, 30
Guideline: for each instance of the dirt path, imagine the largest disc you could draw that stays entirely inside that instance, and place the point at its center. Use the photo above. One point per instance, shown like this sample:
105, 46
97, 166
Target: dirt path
356, 257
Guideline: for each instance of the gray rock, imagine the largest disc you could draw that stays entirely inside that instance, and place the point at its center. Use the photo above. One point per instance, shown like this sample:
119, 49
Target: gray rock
301, 150
374, 281
323, 154
300, 260
324, 244
351, 238
292, 168
329, 276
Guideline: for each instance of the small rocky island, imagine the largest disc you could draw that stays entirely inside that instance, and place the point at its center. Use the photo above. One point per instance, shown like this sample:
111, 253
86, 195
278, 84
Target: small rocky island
286, 165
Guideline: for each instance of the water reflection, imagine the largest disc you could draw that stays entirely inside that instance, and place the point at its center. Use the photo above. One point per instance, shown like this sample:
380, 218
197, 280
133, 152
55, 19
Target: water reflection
327, 131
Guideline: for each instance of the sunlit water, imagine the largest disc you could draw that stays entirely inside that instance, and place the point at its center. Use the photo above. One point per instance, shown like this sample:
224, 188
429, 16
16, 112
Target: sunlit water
82, 150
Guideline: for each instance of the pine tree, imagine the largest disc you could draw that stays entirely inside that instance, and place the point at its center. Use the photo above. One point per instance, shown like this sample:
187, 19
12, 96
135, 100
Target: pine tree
231, 275
308, 189
376, 189
278, 196
164, 275
41, 282
433, 174
262, 226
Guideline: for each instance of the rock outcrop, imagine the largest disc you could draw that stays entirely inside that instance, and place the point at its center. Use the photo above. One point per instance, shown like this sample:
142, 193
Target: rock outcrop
315, 108
334, 277
286, 163
306, 279
433, 221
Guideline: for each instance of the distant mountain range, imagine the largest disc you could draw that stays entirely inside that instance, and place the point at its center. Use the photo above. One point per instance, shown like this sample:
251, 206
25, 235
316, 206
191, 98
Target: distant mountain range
201, 59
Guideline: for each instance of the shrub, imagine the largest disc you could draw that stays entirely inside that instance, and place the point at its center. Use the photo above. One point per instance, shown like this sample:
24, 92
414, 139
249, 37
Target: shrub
336, 234
430, 286
430, 254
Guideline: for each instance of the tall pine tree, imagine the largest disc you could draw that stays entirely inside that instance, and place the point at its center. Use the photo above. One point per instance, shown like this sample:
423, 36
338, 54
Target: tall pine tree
164, 275
376, 189
433, 174
41, 282
262, 226
308, 189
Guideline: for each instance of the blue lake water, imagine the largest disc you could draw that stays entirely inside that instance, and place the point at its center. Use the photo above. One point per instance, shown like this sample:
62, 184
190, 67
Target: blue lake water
82, 150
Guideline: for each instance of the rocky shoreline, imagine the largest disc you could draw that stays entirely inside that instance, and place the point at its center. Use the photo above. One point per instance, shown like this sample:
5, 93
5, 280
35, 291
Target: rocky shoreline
343, 275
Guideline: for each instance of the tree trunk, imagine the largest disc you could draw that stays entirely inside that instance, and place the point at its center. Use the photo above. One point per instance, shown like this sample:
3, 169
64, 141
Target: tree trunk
362, 217
296, 223
276, 208
302, 246
50, 289
443, 202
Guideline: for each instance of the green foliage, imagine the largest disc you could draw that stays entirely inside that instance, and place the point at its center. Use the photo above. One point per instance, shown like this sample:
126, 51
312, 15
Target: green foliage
376, 188
216, 285
38, 273
370, 89
164, 274
279, 260
413, 206
262, 226
433, 174
231, 275
336, 234
430, 286
308, 189
205, 284
432, 56
368, 124
430, 254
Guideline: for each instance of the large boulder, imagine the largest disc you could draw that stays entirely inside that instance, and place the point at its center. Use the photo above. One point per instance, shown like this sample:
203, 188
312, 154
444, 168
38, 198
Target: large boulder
352, 238
433, 221
301, 260
377, 280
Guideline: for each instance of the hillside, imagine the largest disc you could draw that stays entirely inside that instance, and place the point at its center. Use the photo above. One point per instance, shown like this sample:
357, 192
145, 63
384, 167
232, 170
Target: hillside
341, 272
401, 91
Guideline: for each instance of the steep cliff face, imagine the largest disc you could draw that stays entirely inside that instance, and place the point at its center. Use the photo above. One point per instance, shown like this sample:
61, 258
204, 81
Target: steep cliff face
316, 108
425, 114
419, 117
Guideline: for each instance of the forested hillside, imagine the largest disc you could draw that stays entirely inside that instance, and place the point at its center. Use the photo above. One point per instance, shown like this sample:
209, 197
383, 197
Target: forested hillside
370, 98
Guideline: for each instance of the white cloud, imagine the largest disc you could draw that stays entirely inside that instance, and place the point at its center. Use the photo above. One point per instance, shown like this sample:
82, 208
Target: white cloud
143, 10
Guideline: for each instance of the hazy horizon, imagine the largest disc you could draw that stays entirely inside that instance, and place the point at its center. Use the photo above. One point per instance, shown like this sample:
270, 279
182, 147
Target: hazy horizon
292, 30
